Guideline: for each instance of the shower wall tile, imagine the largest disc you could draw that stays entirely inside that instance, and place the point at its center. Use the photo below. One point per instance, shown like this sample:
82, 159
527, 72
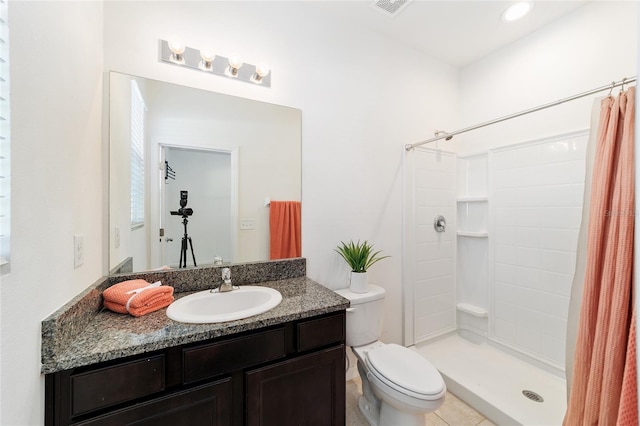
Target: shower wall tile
506, 293
505, 272
472, 216
434, 252
536, 206
432, 287
504, 329
528, 277
555, 283
437, 179
434, 268
558, 239
472, 273
472, 176
433, 197
433, 304
439, 321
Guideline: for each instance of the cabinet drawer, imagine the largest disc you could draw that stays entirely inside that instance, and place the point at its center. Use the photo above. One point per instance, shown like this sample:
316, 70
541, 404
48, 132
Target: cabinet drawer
111, 385
320, 332
206, 405
205, 361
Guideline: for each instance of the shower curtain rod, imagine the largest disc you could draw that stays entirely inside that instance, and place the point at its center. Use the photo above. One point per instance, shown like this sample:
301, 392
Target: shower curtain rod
445, 135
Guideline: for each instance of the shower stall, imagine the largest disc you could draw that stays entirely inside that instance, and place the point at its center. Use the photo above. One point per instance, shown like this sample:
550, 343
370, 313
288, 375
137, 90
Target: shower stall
487, 297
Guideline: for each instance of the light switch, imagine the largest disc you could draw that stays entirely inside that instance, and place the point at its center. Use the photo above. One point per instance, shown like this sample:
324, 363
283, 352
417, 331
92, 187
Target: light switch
247, 224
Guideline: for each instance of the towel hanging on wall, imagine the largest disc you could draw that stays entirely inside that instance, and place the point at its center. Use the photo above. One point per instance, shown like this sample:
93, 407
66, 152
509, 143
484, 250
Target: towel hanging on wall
285, 229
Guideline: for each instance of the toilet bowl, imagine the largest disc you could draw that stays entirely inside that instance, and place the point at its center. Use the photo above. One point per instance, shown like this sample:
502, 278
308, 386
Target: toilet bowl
399, 386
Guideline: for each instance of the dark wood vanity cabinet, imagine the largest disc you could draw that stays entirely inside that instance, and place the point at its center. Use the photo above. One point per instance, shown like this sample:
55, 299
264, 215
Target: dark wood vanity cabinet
289, 374
299, 391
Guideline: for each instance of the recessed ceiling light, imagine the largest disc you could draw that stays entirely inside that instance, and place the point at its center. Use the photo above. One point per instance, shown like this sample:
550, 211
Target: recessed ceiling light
517, 11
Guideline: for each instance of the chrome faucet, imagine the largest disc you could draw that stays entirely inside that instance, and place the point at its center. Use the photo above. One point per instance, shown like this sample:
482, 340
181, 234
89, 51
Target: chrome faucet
226, 277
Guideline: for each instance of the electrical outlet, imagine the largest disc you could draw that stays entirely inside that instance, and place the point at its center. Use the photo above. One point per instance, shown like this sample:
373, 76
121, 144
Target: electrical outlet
78, 251
247, 224
116, 238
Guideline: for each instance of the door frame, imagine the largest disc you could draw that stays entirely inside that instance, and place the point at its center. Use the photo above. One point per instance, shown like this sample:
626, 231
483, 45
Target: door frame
157, 196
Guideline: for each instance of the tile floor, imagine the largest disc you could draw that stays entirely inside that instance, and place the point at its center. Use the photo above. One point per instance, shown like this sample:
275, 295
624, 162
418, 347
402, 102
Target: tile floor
453, 412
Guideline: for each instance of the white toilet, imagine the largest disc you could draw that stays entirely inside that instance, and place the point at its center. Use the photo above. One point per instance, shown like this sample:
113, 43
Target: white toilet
399, 386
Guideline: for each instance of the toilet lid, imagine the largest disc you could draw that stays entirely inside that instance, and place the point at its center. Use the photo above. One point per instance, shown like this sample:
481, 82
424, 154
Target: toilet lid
403, 369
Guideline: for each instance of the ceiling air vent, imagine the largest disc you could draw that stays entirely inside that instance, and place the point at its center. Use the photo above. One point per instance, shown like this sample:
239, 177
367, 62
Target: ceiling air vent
389, 7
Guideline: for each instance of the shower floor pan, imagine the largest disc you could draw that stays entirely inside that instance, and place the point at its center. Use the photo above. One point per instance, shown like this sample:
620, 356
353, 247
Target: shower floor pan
492, 382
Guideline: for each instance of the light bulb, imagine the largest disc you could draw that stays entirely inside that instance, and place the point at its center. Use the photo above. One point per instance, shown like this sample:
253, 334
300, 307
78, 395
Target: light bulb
177, 49
234, 65
207, 55
517, 11
235, 62
262, 70
207, 60
176, 46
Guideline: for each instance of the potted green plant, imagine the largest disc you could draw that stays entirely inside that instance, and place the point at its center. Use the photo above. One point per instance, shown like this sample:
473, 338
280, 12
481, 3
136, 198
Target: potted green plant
360, 257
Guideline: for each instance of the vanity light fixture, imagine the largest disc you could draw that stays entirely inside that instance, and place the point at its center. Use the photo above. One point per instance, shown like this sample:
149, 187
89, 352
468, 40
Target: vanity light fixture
206, 64
176, 53
234, 65
262, 70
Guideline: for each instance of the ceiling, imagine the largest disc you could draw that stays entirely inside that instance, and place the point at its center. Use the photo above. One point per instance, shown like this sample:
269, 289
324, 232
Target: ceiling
452, 31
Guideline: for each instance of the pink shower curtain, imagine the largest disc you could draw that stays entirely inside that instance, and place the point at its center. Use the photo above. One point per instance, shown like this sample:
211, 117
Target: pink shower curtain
598, 394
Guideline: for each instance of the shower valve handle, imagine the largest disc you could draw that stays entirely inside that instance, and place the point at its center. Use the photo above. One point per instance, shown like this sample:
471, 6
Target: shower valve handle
439, 223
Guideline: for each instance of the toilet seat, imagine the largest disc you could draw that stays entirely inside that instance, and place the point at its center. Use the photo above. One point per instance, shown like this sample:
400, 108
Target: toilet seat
405, 371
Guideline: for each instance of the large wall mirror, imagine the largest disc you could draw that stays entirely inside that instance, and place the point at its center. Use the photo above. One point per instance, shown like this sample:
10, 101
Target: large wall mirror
198, 166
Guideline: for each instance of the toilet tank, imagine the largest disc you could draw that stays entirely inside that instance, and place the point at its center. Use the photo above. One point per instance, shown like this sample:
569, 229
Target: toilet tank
364, 316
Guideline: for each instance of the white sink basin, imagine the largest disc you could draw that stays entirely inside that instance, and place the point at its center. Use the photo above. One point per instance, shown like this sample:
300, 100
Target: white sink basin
210, 307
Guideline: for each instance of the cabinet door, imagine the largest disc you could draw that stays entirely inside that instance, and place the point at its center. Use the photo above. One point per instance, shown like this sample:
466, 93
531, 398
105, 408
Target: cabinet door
308, 390
203, 406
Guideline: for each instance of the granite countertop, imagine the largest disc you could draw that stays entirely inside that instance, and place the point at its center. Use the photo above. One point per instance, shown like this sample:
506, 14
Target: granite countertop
109, 335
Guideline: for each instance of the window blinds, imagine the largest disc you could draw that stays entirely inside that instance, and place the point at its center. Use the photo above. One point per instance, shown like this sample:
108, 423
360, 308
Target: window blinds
137, 156
5, 140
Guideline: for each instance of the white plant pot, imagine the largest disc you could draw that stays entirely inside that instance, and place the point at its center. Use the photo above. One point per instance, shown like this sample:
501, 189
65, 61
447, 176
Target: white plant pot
359, 282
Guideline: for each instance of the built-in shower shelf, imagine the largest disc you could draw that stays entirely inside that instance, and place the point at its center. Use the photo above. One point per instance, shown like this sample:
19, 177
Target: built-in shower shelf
473, 234
474, 310
472, 199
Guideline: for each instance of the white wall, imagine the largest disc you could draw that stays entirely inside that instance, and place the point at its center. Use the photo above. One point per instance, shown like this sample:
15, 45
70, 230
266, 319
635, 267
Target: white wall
358, 111
57, 174
589, 48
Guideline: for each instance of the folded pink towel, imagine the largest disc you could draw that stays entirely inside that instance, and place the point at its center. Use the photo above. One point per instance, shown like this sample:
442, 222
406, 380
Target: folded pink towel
137, 297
